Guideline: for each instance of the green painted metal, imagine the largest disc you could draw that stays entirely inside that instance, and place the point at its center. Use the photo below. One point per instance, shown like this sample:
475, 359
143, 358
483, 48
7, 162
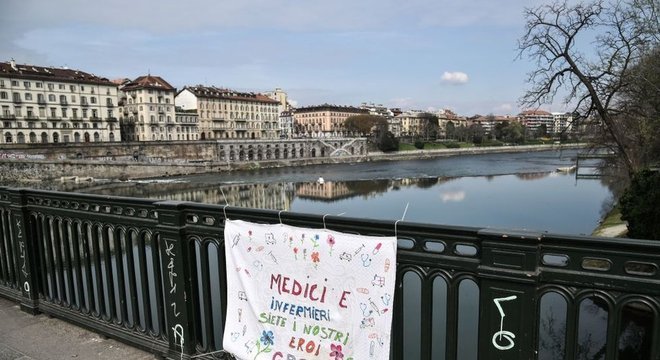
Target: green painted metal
152, 274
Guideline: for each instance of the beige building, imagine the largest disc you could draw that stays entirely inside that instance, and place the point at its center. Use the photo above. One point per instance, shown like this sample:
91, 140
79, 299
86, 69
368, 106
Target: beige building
323, 120
147, 110
413, 123
187, 124
229, 114
533, 119
51, 105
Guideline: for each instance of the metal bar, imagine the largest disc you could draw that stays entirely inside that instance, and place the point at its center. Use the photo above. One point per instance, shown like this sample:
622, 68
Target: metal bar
98, 277
205, 285
65, 229
109, 276
132, 272
122, 307
5, 258
76, 264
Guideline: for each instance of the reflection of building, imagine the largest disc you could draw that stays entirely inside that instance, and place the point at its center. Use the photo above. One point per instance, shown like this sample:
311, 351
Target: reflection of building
323, 120
229, 114
533, 176
147, 109
329, 190
276, 196
53, 105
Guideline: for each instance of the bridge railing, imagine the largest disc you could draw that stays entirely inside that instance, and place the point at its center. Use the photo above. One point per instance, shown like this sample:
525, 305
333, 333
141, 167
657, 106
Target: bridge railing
152, 274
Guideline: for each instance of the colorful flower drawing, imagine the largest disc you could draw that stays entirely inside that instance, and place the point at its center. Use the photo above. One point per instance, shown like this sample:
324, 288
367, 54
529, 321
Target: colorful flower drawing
315, 258
267, 339
331, 242
295, 252
336, 351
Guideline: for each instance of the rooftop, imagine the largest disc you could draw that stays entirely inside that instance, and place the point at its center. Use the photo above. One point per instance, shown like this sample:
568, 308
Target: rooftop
35, 72
213, 92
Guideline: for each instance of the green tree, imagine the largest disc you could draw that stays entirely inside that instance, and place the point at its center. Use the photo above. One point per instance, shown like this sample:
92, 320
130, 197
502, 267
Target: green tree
364, 124
450, 130
639, 205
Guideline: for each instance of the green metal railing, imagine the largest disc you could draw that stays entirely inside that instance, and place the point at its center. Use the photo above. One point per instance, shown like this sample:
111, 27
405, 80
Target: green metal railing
152, 274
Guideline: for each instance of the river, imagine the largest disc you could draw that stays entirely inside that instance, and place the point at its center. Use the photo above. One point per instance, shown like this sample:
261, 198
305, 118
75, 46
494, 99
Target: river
509, 191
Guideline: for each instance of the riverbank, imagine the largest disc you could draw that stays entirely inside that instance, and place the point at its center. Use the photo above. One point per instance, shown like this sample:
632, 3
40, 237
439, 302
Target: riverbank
26, 170
612, 225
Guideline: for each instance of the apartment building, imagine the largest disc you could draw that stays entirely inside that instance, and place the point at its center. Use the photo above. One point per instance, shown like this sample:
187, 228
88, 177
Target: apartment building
324, 120
533, 119
414, 123
41, 104
563, 123
229, 114
147, 110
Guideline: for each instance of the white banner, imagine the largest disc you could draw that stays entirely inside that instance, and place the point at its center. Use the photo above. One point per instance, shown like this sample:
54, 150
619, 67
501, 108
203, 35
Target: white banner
296, 293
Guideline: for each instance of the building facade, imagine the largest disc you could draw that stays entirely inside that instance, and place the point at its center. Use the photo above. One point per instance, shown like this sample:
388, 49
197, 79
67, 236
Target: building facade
229, 114
51, 105
534, 120
563, 123
414, 123
323, 120
187, 124
147, 109
286, 124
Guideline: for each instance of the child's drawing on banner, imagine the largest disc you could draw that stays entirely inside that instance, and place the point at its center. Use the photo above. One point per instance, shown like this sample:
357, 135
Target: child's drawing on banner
298, 293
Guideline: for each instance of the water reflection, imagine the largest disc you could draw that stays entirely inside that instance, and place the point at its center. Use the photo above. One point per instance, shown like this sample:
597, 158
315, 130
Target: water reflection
515, 191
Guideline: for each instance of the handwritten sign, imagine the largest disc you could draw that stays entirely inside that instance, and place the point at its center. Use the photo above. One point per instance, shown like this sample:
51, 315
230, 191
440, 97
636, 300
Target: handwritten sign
296, 293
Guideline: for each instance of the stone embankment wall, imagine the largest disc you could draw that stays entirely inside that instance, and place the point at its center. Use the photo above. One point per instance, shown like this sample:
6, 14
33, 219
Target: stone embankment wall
177, 159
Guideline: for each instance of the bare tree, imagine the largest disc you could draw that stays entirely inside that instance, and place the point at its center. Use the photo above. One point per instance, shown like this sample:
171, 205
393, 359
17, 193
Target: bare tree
585, 52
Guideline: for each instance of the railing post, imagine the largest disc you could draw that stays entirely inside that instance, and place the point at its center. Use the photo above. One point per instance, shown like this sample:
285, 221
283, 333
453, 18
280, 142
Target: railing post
508, 273
177, 280
25, 252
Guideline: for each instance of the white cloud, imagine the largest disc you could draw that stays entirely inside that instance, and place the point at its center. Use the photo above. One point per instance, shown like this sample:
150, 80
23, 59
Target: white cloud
452, 196
454, 78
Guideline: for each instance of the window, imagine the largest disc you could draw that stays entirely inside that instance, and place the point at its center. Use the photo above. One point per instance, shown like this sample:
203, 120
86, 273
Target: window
14, 83
3, 95
27, 84
75, 113
39, 85
84, 113
53, 112
51, 98
51, 86
82, 88
28, 96
61, 86
17, 111
63, 112
72, 87
92, 99
73, 98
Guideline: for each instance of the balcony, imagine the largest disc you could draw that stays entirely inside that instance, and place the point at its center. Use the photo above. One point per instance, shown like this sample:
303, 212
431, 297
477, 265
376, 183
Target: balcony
7, 116
32, 118
111, 119
76, 118
64, 103
17, 100
54, 118
109, 104
95, 118
84, 103
41, 101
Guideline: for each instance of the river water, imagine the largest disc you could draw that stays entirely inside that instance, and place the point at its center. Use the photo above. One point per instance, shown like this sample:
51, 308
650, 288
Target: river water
510, 191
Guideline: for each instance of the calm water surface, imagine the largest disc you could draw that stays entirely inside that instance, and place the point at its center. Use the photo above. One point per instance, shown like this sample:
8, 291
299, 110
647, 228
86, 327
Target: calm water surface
515, 191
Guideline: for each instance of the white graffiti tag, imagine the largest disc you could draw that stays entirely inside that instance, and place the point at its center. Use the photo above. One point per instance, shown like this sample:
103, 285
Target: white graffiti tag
507, 335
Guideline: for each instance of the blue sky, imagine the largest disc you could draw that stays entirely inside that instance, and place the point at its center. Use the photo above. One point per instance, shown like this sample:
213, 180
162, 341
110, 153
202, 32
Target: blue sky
417, 54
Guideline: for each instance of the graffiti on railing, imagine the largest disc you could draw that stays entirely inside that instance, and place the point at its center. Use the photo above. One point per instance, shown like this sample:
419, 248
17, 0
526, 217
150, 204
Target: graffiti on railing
508, 335
178, 335
21, 253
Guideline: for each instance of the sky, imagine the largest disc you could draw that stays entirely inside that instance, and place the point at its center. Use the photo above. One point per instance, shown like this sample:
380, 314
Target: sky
414, 54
